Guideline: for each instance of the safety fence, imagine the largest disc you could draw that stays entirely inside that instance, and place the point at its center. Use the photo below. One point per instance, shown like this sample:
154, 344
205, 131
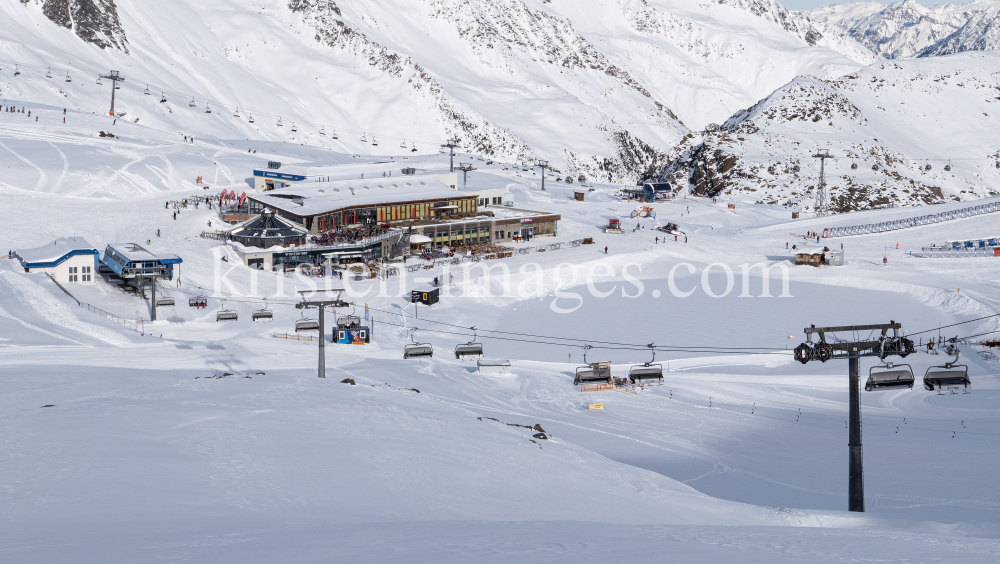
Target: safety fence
955, 252
295, 337
885, 226
597, 387
127, 323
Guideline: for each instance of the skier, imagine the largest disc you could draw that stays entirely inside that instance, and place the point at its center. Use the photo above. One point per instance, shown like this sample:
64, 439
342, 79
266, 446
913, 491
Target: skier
157, 232
175, 216
685, 238
885, 261
605, 250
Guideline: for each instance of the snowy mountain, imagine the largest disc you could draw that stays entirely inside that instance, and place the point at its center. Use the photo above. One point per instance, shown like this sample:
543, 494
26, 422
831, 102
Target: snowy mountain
598, 87
907, 28
980, 33
893, 128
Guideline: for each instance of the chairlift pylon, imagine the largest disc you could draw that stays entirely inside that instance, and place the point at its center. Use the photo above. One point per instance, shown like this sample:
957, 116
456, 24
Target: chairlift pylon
472, 349
263, 314
889, 375
226, 314
951, 377
416, 349
648, 371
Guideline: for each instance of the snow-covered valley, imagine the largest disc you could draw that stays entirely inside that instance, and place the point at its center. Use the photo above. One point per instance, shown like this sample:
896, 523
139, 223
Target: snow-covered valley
124, 439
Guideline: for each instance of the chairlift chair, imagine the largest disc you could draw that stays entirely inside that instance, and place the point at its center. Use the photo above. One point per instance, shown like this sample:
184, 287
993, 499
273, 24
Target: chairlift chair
854, 166
415, 349
293, 127
472, 349
592, 372
648, 371
414, 149
226, 314
198, 301
237, 112
68, 79
322, 130
334, 134
363, 138
306, 324
146, 91
99, 83
164, 301
263, 314
889, 375
251, 118
17, 72
163, 97
402, 144
947, 167
192, 103
48, 73
374, 141
951, 377
208, 109
348, 321
279, 122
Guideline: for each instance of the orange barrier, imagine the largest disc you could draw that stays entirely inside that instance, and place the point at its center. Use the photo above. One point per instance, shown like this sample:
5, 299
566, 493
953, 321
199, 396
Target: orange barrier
597, 387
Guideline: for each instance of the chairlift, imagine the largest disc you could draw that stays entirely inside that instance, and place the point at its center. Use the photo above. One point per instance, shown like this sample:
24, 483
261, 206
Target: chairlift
592, 372
348, 321
251, 118
146, 91
99, 83
163, 98
334, 134
414, 149
472, 349
927, 166
889, 375
415, 349
237, 112
322, 130
164, 301
951, 377
68, 79
306, 324
294, 129
48, 73
198, 301
279, 122
402, 144
117, 87
374, 141
648, 371
192, 103
225, 314
363, 138
947, 167
208, 109
17, 72
262, 314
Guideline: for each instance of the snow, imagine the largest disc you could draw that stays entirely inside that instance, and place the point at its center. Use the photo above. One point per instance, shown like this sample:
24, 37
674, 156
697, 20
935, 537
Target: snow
322, 197
57, 250
190, 439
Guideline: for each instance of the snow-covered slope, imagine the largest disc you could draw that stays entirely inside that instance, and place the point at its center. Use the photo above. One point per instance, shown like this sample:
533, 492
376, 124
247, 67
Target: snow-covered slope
602, 87
893, 128
902, 29
980, 33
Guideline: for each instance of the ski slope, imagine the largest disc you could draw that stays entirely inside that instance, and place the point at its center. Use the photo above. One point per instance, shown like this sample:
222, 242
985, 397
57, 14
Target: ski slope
150, 451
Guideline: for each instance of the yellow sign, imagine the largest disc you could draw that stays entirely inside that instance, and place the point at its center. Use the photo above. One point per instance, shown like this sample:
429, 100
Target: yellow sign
597, 406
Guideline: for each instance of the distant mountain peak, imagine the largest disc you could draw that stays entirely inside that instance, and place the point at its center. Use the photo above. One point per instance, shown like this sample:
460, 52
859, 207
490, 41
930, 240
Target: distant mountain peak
94, 21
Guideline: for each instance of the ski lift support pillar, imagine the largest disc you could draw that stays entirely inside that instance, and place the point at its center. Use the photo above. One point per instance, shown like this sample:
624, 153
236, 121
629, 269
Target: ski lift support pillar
115, 78
450, 145
821, 189
465, 168
544, 164
853, 351
322, 305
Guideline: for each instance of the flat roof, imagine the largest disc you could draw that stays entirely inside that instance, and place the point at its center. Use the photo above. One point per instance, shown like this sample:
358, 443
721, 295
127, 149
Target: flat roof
53, 254
279, 175
134, 252
316, 198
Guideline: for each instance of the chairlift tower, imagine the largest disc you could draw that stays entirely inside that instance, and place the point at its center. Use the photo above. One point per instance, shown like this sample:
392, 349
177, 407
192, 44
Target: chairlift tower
450, 145
821, 203
465, 168
322, 305
853, 351
115, 78
544, 164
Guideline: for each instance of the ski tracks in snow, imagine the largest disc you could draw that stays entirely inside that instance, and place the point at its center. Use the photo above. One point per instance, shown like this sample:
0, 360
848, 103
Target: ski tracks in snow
41, 173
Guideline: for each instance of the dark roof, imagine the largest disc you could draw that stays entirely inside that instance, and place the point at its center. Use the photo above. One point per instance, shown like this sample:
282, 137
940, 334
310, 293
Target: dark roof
267, 226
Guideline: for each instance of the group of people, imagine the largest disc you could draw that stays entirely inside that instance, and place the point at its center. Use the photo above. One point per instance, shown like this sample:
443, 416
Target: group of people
345, 235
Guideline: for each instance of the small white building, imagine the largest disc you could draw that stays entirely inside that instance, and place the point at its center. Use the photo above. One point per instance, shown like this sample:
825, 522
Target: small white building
69, 260
494, 366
